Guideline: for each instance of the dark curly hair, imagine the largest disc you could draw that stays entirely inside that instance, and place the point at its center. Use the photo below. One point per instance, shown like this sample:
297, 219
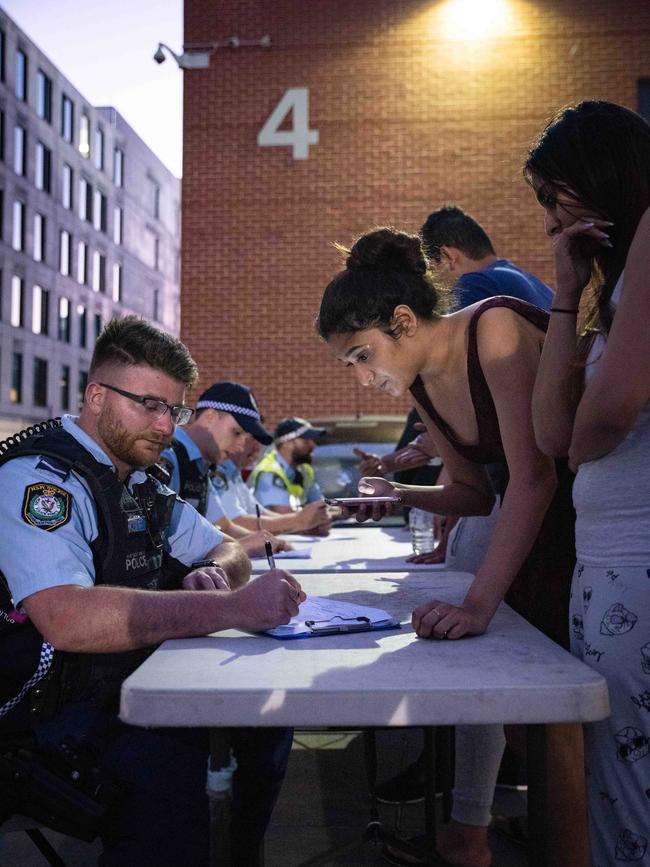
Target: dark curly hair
383, 268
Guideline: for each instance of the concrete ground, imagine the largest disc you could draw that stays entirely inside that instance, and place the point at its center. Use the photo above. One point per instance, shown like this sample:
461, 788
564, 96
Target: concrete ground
322, 814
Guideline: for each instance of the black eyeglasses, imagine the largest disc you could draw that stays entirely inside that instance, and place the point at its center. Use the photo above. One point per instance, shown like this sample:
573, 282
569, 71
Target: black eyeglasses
157, 408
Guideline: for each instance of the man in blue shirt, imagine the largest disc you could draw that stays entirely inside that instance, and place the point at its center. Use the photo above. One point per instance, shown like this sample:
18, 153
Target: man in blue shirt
463, 258
101, 563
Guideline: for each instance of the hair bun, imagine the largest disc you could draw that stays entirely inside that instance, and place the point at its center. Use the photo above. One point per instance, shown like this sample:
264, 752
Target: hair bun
388, 250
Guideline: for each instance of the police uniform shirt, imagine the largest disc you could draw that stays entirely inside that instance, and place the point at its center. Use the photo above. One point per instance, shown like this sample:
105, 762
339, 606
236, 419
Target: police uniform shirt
224, 481
57, 551
214, 510
270, 490
243, 493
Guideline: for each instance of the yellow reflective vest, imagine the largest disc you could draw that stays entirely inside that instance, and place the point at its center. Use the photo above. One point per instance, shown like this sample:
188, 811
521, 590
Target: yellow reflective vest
297, 493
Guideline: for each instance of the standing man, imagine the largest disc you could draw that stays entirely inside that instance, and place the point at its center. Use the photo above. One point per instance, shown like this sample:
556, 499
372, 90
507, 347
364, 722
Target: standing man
465, 260
284, 480
101, 563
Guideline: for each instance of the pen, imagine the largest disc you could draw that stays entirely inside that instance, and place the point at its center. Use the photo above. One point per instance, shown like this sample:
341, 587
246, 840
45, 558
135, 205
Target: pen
268, 547
259, 517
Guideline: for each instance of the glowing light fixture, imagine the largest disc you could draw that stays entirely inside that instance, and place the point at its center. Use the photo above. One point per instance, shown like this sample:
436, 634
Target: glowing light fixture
474, 19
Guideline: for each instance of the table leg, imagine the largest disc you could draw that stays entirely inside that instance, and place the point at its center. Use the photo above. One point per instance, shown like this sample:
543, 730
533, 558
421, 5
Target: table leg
538, 807
430, 784
221, 767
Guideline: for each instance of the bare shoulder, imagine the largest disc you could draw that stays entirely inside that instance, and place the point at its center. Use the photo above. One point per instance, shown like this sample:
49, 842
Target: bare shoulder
502, 332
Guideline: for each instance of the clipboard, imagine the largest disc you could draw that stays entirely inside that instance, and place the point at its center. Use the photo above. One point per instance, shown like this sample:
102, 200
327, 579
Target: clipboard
319, 616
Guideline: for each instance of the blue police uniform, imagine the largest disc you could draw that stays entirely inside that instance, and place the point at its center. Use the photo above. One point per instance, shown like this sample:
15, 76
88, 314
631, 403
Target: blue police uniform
214, 510
244, 494
225, 483
270, 490
161, 816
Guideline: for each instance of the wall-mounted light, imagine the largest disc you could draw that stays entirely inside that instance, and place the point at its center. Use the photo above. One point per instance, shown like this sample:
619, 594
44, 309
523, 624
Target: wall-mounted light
197, 55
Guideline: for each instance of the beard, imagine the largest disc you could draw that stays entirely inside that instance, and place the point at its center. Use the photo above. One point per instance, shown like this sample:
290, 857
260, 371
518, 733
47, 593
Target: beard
302, 458
133, 448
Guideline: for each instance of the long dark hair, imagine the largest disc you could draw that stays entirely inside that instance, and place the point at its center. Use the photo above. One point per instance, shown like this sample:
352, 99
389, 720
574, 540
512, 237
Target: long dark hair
383, 268
599, 152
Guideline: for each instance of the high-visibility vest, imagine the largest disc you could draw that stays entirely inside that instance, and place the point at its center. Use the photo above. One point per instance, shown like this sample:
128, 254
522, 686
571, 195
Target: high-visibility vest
297, 492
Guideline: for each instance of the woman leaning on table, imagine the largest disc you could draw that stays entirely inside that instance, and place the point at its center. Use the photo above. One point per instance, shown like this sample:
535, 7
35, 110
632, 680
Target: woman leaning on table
471, 374
590, 169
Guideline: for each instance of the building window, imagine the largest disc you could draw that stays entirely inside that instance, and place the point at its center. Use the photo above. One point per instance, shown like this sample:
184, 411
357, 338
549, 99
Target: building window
82, 263
152, 249
43, 174
18, 232
117, 282
64, 320
117, 225
67, 186
16, 391
67, 118
99, 211
20, 137
81, 388
154, 198
118, 167
99, 272
156, 305
64, 387
64, 324
98, 325
65, 253
44, 96
39, 238
84, 135
17, 314
3, 52
99, 148
21, 75
82, 316
85, 200
40, 311
40, 382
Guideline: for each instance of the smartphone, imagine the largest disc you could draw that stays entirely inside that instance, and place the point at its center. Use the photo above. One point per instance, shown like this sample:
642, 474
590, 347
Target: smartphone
352, 502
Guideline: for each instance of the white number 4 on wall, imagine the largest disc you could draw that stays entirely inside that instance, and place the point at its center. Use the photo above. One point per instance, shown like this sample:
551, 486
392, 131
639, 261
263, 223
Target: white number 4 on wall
295, 100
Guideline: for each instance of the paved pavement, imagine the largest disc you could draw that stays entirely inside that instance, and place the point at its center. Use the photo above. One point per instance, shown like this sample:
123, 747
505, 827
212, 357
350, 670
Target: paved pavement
322, 814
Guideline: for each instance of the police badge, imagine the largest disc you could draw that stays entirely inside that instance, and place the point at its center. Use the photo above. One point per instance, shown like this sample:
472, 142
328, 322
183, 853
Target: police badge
46, 506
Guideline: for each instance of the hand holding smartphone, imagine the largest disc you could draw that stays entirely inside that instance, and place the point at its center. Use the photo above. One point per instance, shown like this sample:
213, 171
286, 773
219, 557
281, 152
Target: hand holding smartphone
366, 507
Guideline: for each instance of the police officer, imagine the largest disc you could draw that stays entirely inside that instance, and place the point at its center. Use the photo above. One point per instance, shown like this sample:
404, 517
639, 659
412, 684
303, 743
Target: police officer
227, 416
284, 478
102, 563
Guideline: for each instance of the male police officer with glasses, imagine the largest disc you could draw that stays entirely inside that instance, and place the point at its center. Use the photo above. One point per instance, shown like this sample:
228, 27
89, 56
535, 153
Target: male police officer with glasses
102, 562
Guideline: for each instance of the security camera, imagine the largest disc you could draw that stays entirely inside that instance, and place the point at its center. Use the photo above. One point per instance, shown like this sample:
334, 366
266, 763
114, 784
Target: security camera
159, 56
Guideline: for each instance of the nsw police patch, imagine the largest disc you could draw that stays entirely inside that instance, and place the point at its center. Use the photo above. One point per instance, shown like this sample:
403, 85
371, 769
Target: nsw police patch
46, 506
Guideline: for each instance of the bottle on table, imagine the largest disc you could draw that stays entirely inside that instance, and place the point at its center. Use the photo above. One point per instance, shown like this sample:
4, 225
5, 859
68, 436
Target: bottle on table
422, 534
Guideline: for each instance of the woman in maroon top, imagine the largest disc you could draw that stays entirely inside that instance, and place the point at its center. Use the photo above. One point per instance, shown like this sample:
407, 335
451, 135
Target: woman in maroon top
471, 374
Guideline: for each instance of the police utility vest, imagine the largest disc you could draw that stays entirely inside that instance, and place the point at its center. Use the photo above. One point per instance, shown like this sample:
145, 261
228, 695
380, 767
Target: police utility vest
193, 483
127, 552
297, 488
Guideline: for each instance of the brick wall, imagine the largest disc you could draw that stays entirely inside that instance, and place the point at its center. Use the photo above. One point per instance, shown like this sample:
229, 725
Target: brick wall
410, 115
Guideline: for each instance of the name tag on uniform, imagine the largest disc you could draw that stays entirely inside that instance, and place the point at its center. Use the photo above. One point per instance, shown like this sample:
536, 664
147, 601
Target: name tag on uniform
136, 523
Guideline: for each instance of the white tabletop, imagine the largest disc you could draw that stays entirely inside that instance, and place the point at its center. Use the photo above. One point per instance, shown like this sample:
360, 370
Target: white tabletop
354, 548
511, 674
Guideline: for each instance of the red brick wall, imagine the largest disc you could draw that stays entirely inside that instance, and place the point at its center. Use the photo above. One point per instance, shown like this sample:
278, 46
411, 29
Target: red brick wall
409, 117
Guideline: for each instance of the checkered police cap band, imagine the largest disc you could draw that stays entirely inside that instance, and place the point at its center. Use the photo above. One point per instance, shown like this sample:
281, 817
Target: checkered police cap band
294, 434
229, 407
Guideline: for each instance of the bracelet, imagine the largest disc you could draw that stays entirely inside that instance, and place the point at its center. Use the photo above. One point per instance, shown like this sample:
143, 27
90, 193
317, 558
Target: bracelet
200, 564
564, 310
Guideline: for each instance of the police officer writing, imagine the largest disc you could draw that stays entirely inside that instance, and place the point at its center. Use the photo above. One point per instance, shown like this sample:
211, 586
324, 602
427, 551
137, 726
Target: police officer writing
99, 557
226, 417
284, 479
